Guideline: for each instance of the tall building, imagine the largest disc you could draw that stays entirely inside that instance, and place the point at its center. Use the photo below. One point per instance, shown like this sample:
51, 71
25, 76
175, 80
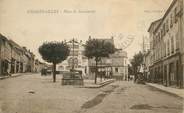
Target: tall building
145, 44
181, 39
166, 42
151, 56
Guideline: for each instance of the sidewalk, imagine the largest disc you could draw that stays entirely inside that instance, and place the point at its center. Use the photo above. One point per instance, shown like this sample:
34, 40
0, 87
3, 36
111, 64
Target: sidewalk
175, 91
91, 84
12, 75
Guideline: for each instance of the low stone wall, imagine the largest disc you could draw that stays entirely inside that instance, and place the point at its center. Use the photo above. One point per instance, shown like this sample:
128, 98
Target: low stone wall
72, 82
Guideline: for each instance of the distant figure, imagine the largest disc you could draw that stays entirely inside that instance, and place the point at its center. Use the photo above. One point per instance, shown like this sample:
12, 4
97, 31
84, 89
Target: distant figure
110, 74
128, 77
135, 77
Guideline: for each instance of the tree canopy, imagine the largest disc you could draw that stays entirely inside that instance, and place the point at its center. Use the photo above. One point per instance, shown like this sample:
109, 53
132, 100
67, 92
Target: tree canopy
98, 48
136, 61
54, 52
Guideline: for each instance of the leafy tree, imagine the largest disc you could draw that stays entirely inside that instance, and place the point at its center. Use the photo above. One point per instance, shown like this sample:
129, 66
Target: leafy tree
54, 52
97, 49
136, 62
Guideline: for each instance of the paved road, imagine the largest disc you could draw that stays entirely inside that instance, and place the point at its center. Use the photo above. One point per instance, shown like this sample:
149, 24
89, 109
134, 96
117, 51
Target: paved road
36, 94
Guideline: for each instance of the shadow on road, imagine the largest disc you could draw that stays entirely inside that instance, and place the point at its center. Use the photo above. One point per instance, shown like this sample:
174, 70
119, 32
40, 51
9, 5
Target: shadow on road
148, 107
99, 98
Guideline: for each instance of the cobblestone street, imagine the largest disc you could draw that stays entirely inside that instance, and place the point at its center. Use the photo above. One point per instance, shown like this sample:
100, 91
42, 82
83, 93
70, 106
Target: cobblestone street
37, 94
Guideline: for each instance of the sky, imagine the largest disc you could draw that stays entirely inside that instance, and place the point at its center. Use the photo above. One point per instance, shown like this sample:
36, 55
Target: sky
29, 22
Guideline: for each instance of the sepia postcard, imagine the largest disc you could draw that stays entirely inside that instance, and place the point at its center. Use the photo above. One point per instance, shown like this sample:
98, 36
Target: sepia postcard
91, 56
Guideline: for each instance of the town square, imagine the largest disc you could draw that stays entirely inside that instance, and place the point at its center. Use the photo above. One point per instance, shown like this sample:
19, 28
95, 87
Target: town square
114, 56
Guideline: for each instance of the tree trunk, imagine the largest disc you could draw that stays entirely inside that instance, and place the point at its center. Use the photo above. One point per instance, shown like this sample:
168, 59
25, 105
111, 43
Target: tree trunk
101, 73
54, 72
96, 71
135, 74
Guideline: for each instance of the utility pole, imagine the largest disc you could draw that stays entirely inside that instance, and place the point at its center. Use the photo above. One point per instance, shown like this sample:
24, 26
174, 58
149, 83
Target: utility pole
143, 46
73, 54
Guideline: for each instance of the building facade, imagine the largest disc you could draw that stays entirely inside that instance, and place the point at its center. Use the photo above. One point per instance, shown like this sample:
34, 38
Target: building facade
14, 58
113, 67
5, 55
166, 47
119, 65
146, 65
181, 39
